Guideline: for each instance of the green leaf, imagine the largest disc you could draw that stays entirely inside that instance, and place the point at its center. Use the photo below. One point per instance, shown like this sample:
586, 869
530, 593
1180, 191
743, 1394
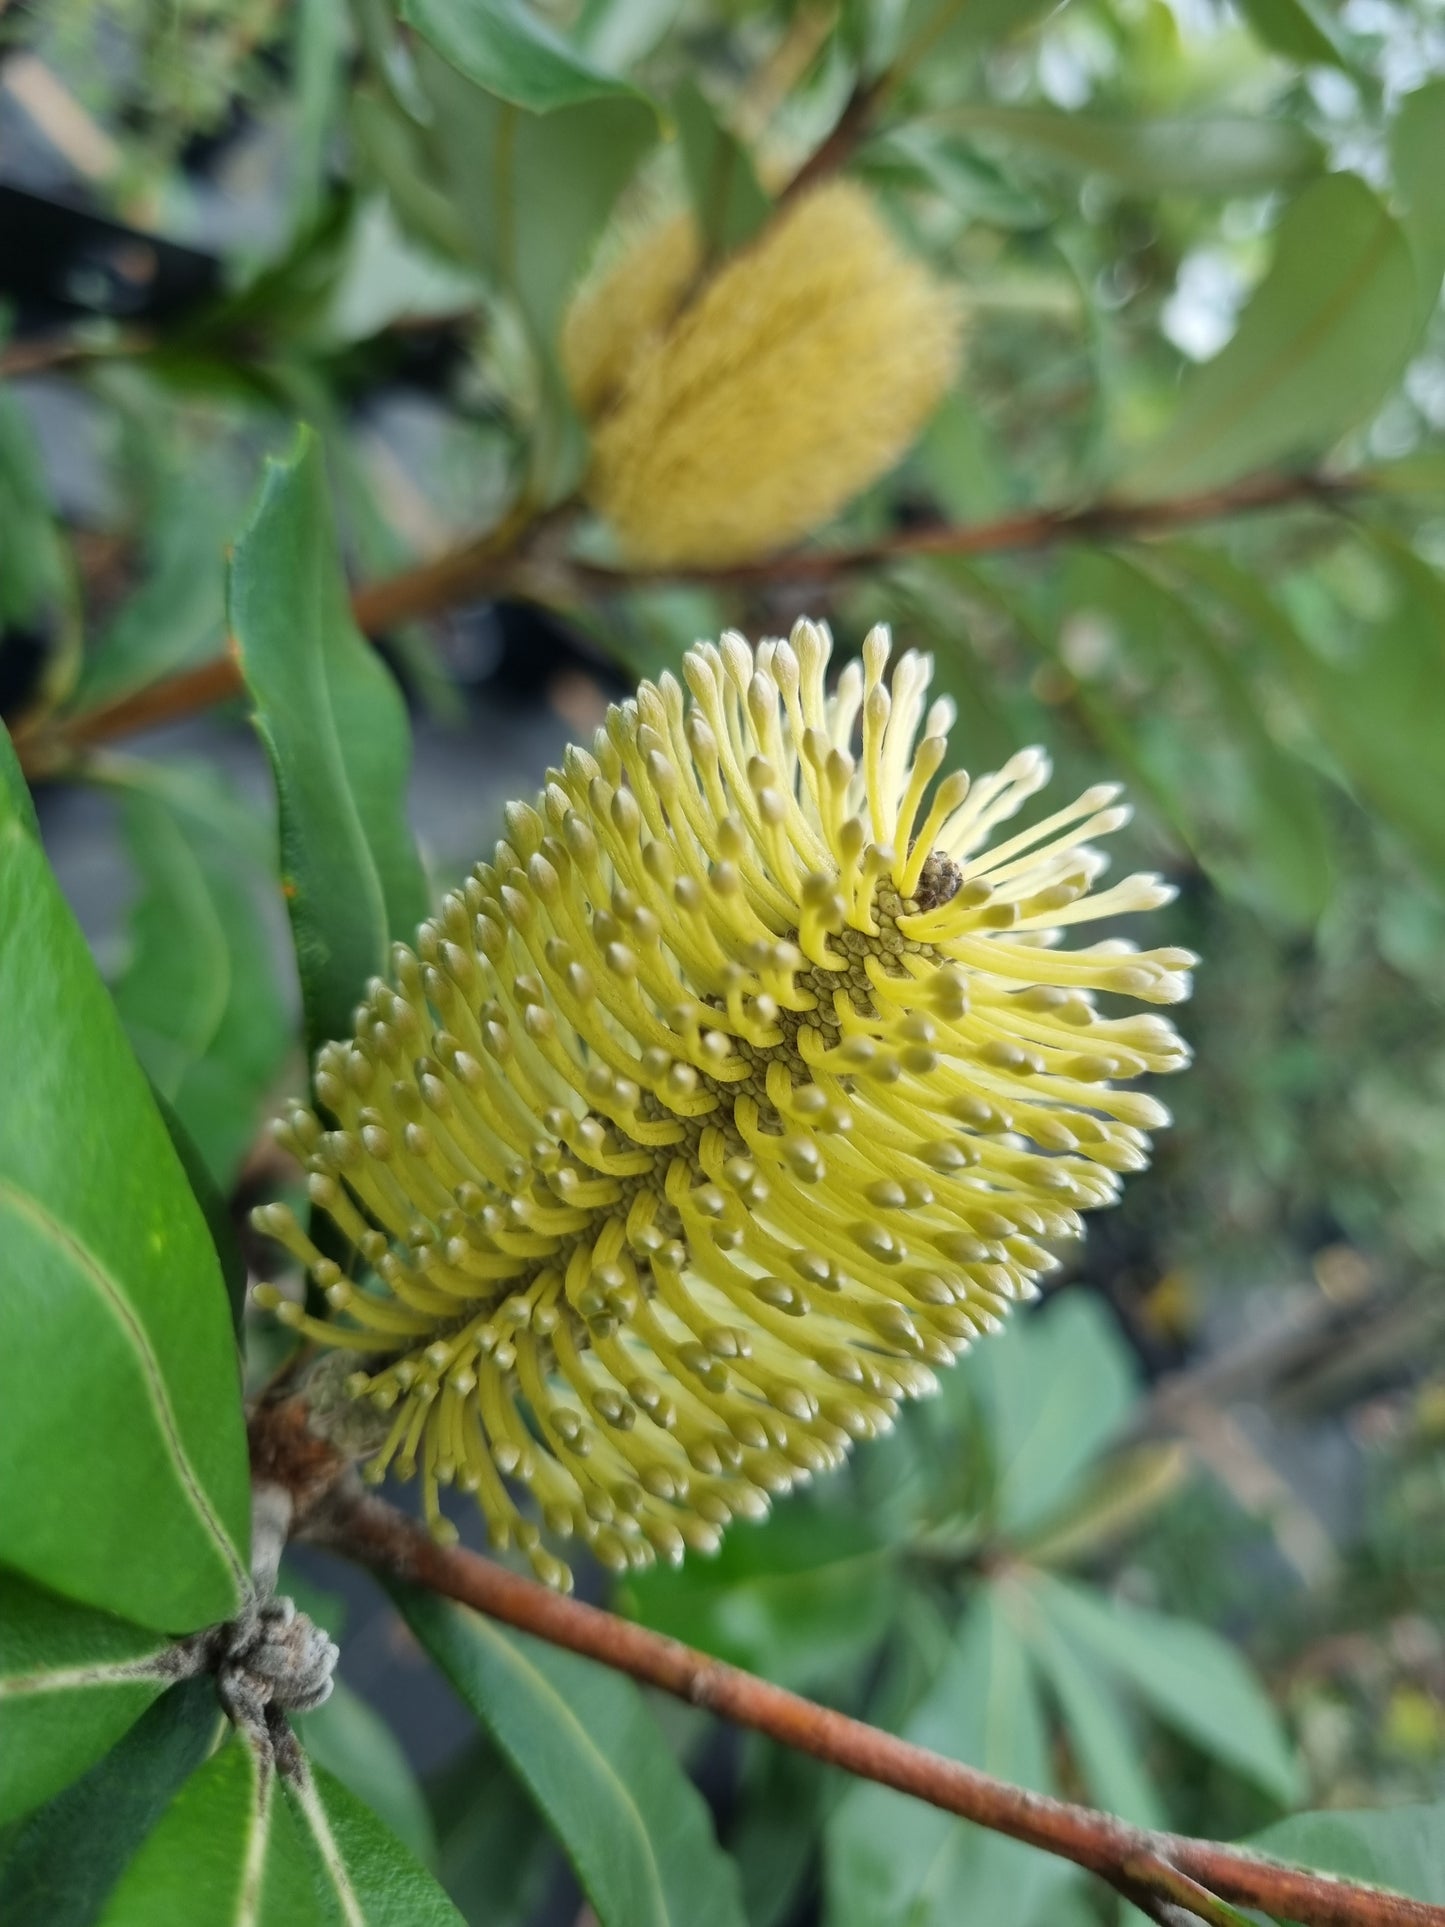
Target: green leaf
1191, 1678
495, 1856
1417, 140
59, 1864
178, 613
1059, 1386
369, 1876
1255, 817
1298, 29
198, 996
728, 200
800, 1598
1097, 1727
505, 48
1322, 341
1400, 1848
1220, 156
889, 1858
71, 1681
1381, 709
229, 1852
615, 34
118, 1372
359, 1749
335, 729
579, 1736
214, 1209
32, 567
534, 193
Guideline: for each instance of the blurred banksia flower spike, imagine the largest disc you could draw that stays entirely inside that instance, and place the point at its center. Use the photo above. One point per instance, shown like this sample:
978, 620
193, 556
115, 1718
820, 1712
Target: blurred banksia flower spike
731, 1098
731, 419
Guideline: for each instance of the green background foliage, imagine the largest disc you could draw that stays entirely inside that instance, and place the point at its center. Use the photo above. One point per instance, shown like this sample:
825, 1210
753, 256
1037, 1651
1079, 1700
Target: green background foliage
1171, 1545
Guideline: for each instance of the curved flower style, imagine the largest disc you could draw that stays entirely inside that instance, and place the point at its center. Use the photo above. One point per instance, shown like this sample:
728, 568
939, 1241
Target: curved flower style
732, 1097
731, 424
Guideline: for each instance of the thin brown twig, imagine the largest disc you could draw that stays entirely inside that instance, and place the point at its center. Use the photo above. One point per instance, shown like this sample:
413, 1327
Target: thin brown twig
1131, 1859
505, 562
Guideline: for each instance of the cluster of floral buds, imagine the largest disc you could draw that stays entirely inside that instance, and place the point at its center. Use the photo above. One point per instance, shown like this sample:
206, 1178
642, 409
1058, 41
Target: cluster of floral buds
744, 1087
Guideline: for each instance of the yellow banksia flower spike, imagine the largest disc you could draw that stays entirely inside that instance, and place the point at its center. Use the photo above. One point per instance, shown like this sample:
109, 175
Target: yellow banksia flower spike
745, 1086
730, 424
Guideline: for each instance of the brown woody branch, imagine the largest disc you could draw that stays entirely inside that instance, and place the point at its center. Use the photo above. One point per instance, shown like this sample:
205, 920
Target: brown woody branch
1195, 1874
506, 562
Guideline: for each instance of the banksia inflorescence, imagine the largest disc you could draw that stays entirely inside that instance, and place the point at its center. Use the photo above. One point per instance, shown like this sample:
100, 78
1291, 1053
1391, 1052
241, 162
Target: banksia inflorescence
733, 414
735, 1094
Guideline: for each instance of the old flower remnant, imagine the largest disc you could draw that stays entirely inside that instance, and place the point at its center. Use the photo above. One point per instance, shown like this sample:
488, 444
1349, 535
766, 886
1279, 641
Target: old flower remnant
730, 419
735, 1094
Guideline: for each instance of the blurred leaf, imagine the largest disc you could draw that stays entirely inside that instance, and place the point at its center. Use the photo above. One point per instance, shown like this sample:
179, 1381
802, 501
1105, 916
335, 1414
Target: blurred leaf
1400, 1848
68, 1690
390, 144
495, 1856
57, 1867
895, 1860
368, 1875
335, 729
773, 1829
798, 1598
534, 192
1117, 1494
1097, 1727
1322, 341
318, 50
178, 613
1059, 1385
1268, 842
32, 566
507, 49
728, 200
198, 995
357, 1746
1221, 156
1299, 29
1191, 1678
635, 1829
228, 1852
615, 34
113, 1316
1381, 712
1417, 142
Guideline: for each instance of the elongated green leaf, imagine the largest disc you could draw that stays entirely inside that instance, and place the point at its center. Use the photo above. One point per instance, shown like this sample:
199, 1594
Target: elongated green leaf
59, 1865
634, 1828
802, 1597
31, 564
1058, 1387
1192, 1679
1298, 29
534, 193
510, 51
71, 1681
1417, 141
368, 1874
1322, 341
1254, 817
728, 200
177, 615
198, 996
890, 1858
335, 729
1096, 1725
1381, 711
1401, 1848
1219, 156
357, 1747
122, 1456
229, 1852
